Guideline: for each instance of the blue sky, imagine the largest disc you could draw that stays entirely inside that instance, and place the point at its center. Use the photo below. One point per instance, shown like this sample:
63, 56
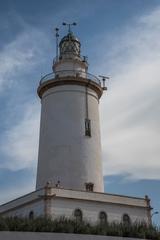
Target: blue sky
121, 39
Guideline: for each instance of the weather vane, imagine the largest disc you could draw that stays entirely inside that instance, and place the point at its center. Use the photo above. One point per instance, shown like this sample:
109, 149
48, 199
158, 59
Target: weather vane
69, 25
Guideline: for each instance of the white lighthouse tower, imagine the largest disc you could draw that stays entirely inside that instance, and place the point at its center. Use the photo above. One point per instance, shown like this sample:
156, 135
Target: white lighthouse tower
69, 175
70, 145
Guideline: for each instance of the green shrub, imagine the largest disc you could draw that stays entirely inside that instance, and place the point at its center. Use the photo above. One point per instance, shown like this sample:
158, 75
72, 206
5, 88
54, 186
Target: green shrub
3, 225
65, 225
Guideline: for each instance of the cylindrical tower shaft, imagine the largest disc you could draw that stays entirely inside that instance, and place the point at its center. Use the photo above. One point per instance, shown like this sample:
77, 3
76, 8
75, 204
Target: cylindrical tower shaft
70, 146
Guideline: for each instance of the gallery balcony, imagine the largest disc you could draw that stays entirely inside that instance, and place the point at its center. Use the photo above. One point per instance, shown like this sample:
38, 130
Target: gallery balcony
70, 77
69, 73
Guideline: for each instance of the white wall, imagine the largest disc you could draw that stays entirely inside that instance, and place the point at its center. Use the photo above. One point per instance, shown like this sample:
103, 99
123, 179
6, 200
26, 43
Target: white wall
91, 210
58, 207
70, 65
65, 153
62, 202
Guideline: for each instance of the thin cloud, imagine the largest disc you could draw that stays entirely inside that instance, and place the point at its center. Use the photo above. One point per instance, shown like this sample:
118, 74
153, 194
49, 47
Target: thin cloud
19, 145
21, 56
130, 128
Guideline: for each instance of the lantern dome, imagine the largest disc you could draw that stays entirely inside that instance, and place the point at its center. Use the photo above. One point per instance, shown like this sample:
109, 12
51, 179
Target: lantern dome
69, 46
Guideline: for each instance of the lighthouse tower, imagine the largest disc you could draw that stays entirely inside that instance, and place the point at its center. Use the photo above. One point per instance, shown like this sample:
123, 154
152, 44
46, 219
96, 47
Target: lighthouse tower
70, 145
69, 175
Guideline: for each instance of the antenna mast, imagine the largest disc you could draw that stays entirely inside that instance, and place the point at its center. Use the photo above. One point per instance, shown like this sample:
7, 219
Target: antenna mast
57, 35
104, 81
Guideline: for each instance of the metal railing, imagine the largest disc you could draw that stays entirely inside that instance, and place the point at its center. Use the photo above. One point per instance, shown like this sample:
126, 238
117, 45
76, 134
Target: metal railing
69, 73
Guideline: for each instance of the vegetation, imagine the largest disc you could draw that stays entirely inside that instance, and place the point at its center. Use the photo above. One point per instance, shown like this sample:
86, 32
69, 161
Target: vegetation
64, 225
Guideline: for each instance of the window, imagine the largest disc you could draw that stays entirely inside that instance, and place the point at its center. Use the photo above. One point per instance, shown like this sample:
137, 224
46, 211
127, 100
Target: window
103, 217
126, 219
88, 127
78, 215
70, 47
31, 215
89, 187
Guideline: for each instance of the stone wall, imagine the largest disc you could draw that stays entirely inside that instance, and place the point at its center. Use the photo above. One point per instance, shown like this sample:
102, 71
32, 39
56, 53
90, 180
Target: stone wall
54, 236
63, 202
91, 210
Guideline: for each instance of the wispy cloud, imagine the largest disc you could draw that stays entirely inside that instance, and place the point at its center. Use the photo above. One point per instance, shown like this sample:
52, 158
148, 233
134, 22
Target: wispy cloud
21, 55
131, 112
19, 145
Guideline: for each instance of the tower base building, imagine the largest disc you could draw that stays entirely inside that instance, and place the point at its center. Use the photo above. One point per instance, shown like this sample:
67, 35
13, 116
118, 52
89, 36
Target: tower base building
69, 174
93, 207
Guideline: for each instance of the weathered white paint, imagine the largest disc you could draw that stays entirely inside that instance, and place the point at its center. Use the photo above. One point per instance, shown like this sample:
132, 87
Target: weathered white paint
91, 210
65, 153
55, 236
63, 66
62, 202
66, 201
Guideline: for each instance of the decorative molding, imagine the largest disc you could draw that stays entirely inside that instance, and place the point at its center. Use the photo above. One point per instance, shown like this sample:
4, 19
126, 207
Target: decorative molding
69, 81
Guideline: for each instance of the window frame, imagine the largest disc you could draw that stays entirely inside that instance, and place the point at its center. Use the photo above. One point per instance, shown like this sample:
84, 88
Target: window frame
103, 220
88, 127
78, 217
126, 219
31, 215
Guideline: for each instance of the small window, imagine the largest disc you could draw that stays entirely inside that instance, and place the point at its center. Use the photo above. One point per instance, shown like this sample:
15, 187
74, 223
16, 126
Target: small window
126, 219
103, 218
88, 127
89, 187
57, 76
78, 215
31, 215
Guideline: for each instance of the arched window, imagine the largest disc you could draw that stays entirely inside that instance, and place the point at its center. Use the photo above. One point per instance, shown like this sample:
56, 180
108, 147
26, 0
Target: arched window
102, 217
78, 215
31, 215
126, 219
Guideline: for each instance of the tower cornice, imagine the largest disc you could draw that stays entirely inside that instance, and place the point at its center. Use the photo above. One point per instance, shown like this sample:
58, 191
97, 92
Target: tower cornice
69, 80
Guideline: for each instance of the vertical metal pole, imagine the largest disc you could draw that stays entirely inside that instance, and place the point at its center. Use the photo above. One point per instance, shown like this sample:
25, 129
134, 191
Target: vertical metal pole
104, 82
57, 35
57, 48
86, 98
